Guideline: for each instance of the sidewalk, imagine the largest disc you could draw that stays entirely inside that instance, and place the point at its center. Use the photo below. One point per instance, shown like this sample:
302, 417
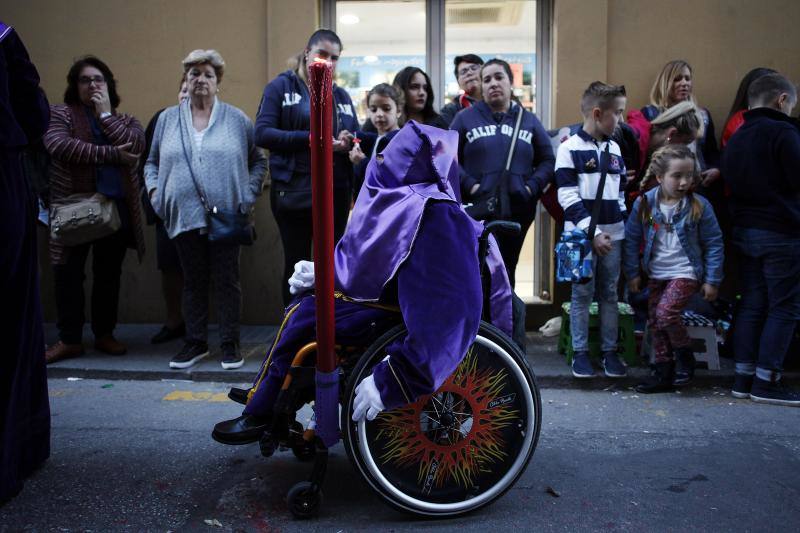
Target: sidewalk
145, 361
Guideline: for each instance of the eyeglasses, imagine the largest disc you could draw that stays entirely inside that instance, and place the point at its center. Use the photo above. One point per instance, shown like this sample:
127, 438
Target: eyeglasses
87, 80
466, 70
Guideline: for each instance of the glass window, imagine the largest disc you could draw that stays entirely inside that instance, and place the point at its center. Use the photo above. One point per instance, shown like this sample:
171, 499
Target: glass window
505, 29
381, 37
377, 44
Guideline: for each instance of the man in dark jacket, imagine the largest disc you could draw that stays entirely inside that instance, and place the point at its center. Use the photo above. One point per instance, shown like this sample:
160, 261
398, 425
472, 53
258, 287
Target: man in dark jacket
468, 74
24, 405
760, 165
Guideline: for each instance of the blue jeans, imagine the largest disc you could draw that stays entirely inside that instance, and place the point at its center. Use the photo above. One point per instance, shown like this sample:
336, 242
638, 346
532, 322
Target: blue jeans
770, 304
606, 274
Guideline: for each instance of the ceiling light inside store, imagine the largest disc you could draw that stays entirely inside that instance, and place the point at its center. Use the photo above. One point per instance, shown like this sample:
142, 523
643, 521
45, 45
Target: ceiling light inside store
370, 59
349, 19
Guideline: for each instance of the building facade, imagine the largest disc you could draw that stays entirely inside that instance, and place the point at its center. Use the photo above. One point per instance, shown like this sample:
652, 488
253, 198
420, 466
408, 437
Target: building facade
557, 48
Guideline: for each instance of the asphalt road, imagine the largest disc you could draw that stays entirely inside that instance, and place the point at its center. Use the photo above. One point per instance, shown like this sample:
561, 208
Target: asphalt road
137, 456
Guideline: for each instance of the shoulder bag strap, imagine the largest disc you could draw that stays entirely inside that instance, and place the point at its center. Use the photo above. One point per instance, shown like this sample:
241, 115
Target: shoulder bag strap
514, 136
203, 199
599, 196
505, 201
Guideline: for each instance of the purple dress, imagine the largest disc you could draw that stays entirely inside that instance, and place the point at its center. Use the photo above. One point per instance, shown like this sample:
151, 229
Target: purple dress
409, 244
24, 404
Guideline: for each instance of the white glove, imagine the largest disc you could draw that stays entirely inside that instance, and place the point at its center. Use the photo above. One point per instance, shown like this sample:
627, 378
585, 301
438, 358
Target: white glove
303, 277
368, 401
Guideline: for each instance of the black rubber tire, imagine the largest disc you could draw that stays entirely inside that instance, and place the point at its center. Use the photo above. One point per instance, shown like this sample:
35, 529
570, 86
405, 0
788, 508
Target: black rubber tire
304, 500
373, 355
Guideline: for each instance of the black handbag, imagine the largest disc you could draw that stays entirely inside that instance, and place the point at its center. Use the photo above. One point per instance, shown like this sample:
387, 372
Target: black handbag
496, 204
224, 226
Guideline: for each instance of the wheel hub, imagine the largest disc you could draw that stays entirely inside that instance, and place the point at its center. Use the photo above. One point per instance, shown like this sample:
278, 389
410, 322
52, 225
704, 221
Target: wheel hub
446, 418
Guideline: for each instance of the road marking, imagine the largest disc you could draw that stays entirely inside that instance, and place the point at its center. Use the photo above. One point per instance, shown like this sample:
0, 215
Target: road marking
191, 396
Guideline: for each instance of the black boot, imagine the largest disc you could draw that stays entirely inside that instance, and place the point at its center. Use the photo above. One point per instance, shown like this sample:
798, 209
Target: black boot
684, 366
660, 380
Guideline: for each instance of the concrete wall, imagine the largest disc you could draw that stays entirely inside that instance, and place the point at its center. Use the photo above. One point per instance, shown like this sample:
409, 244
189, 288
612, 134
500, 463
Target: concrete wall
144, 42
628, 41
621, 41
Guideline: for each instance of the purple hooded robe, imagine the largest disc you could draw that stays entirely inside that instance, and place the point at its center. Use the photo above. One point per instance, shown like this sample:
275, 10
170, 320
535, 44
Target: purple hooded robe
24, 404
410, 244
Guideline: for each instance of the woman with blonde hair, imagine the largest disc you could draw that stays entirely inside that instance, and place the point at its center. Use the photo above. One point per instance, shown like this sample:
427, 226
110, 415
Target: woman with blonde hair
673, 85
680, 124
203, 154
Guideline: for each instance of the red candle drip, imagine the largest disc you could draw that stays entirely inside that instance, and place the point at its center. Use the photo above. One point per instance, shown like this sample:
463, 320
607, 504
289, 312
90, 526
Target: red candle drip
320, 77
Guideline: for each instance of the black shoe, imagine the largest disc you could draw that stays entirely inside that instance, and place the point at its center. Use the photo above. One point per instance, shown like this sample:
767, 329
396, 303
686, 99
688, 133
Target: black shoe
768, 392
238, 395
191, 353
684, 367
742, 385
166, 334
660, 380
241, 430
231, 358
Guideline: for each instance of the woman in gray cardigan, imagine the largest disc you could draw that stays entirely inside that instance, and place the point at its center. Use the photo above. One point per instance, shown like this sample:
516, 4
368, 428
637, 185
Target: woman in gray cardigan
213, 141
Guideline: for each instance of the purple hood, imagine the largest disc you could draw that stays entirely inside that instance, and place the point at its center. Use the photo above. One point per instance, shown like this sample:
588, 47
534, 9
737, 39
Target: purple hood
418, 165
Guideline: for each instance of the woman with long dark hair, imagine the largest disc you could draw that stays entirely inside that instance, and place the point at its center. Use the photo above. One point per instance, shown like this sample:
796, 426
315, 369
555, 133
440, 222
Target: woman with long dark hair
415, 86
485, 131
282, 127
740, 103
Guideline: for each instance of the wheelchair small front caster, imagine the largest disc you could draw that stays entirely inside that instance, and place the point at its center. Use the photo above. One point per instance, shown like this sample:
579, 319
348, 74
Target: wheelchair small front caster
304, 500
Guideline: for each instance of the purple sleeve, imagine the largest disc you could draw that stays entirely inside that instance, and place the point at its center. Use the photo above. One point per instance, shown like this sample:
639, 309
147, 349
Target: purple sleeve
23, 106
439, 292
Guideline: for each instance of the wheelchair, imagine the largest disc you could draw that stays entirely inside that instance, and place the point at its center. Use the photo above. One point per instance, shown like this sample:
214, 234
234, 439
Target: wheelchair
445, 455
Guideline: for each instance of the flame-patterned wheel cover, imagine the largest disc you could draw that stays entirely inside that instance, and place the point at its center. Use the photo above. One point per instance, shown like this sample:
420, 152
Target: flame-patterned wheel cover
462, 445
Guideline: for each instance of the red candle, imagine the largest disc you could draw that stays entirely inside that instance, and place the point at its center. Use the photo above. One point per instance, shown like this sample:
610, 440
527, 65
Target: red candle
320, 77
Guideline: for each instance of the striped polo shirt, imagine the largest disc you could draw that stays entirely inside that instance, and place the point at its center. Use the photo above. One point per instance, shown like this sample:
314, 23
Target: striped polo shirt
577, 178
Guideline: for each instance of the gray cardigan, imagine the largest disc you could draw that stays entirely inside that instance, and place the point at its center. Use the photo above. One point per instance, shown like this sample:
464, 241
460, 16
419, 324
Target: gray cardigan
228, 167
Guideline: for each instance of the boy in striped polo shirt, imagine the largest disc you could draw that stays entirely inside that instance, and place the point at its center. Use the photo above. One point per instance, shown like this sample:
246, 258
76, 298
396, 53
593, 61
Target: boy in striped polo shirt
578, 169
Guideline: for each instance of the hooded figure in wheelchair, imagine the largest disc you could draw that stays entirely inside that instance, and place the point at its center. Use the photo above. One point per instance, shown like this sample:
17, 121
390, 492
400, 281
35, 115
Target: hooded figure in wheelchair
440, 412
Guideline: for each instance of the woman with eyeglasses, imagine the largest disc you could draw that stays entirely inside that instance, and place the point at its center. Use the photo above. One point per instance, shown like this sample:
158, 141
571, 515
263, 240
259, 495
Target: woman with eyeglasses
93, 148
486, 133
282, 127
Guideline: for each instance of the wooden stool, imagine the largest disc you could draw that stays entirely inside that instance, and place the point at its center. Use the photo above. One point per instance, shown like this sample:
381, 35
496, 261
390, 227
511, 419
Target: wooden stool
703, 333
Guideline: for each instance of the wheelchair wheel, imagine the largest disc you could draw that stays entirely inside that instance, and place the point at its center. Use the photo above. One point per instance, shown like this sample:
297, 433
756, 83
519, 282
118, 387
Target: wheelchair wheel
458, 449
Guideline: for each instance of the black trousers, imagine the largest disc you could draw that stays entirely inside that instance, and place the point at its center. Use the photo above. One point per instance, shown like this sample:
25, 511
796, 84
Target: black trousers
297, 232
205, 264
107, 256
511, 245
